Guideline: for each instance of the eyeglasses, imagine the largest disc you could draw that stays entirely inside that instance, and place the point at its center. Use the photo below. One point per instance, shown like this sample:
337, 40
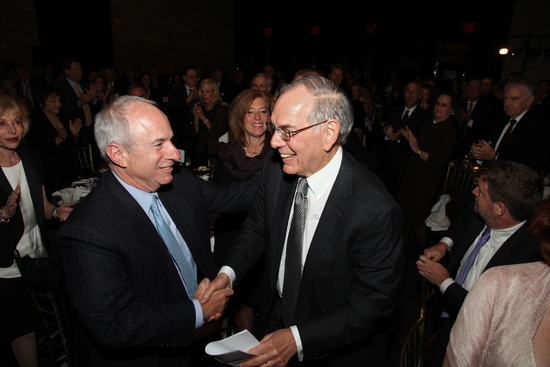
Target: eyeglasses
286, 135
4, 126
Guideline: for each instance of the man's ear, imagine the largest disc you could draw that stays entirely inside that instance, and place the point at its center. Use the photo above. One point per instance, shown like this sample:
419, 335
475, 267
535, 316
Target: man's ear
332, 134
500, 209
117, 154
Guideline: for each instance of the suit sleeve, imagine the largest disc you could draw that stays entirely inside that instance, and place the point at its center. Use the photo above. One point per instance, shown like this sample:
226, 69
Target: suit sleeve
100, 289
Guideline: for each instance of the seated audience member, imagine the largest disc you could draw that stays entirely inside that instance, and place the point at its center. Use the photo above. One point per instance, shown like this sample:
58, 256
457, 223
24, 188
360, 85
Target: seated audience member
505, 320
152, 93
27, 87
135, 251
23, 209
261, 82
429, 156
522, 134
490, 233
241, 159
210, 122
54, 136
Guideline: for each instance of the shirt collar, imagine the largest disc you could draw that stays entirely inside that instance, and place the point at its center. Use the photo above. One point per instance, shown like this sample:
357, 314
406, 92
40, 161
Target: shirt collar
520, 116
142, 197
501, 235
321, 181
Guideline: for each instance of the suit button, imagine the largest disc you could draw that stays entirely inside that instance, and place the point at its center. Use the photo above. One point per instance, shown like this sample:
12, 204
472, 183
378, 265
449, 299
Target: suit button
179, 344
162, 345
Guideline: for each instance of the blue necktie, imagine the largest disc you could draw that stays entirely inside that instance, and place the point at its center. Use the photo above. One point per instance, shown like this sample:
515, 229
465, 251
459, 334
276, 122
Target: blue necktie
469, 262
185, 269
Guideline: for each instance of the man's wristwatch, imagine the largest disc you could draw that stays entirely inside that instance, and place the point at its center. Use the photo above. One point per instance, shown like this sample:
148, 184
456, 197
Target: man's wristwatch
55, 214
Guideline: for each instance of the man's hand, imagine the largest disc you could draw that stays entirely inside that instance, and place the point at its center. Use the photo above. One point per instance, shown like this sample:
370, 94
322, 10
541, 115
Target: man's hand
483, 150
275, 349
433, 271
203, 294
437, 251
213, 309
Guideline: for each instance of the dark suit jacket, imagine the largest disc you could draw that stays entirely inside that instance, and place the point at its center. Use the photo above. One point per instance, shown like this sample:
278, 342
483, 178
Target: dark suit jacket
519, 248
397, 153
121, 278
483, 116
528, 143
11, 234
353, 268
34, 89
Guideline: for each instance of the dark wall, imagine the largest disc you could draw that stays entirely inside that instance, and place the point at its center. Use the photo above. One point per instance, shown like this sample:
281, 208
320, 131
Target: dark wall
74, 28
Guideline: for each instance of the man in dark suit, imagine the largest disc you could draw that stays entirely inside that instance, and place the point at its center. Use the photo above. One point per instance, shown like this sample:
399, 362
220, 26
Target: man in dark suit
27, 87
330, 284
477, 118
181, 106
522, 135
135, 249
397, 149
77, 99
490, 233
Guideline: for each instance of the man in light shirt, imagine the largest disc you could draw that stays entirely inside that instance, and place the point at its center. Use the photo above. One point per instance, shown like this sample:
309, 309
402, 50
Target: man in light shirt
506, 195
139, 245
350, 257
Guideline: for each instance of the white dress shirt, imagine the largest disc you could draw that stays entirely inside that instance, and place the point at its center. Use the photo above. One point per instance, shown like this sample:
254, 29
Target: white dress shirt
486, 253
320, 185
144, 200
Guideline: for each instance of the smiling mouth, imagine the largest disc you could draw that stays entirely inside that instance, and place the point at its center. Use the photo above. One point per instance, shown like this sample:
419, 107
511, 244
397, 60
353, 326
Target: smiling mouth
283, 155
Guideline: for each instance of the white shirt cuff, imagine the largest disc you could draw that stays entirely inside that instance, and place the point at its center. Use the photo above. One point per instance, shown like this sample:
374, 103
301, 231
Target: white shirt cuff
299, 348
199, 318
230, 273
445, 284
447, 241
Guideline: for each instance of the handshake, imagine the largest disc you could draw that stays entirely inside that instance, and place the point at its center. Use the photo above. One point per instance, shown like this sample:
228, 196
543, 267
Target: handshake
213, 305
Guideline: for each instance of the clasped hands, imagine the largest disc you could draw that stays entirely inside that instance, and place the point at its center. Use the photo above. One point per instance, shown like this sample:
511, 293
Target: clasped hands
213, 307
483, 150
428, 264
274, 350
388, 130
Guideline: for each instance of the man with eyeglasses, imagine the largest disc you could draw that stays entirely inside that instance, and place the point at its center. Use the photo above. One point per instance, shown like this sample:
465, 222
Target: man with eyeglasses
331, 234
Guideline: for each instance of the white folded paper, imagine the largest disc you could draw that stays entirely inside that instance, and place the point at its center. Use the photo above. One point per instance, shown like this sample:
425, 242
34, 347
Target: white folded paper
234, 349
73, 194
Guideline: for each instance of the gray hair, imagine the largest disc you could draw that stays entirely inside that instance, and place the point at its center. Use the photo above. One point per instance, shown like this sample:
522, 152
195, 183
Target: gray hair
330, 103
112, 125
530, 88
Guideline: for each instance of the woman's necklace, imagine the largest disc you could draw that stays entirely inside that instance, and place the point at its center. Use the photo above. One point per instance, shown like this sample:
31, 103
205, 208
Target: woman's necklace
251, 152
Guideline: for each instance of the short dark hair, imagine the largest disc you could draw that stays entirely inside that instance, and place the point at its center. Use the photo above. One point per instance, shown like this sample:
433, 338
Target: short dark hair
516, 185
66, 62
48, 92
539, 227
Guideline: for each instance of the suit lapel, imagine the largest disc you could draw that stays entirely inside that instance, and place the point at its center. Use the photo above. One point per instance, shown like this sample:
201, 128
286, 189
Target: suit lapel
143, 229
329, 225
508, 247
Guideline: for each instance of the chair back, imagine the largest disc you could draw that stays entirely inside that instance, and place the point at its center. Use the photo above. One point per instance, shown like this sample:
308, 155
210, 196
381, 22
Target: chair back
459, 183
50, 317
84, 161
